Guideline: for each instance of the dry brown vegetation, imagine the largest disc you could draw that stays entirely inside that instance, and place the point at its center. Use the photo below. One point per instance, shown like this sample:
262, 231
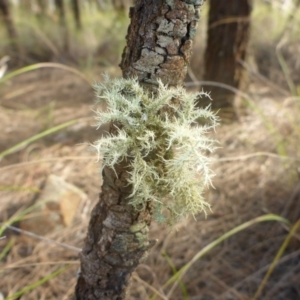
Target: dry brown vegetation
256, 167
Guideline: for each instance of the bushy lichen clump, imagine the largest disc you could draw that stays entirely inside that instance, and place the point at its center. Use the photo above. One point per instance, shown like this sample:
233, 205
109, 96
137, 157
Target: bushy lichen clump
160, 134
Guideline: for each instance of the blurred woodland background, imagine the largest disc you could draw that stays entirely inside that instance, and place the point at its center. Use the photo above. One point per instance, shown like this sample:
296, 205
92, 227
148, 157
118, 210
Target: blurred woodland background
247, 54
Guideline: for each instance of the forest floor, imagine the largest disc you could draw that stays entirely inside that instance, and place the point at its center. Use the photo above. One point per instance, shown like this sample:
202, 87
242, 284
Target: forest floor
252, 179
46, 118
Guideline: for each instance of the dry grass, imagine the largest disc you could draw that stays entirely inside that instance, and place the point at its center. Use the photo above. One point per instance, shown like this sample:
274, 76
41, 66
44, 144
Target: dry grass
252, 179
257, 172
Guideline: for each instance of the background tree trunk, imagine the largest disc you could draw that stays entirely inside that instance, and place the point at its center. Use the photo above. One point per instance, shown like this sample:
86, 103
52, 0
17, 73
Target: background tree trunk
76, 13
42, 6
8, 22
60, 6
159, 44
228, 35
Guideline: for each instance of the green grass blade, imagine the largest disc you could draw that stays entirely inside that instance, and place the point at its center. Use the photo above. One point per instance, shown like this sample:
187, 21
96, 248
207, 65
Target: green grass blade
36, 137
174, 270
18, 188
19, 216
280, 147
276, 259
178, 276
37, 283
286, 72
7, 247
43, 65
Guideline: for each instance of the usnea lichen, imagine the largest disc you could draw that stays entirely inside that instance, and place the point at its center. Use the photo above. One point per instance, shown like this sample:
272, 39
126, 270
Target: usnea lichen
163, 135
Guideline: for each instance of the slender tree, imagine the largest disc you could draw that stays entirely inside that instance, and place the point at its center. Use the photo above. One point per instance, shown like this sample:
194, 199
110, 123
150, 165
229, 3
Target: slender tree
159, 44
228, 35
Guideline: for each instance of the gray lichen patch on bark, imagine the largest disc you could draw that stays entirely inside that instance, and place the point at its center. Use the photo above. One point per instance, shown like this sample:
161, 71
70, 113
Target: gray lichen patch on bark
163, 31
148, 61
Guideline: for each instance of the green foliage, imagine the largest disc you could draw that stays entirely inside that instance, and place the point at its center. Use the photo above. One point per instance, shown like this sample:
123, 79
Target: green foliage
35, 137
36, 284
161, 136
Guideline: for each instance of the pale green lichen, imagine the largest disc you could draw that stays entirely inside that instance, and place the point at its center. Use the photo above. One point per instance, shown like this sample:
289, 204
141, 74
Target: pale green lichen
163, 135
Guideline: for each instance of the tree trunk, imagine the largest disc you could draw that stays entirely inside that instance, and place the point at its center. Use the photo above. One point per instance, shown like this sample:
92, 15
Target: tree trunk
60, 6
76, 13
8, 22
16, 51
228, 34
159, 43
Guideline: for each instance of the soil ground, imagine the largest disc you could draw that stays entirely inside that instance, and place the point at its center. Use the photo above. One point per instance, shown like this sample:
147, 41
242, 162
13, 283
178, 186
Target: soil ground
251, 180
257, 171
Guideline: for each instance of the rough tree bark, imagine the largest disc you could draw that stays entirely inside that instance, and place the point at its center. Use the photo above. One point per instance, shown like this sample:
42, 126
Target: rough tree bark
76, 13
159, 41
159, 44
228, 34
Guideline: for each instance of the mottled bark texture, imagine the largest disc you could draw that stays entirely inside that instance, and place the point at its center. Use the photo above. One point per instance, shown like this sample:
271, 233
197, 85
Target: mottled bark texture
116, 242
159, 44
159, 40
228, 35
